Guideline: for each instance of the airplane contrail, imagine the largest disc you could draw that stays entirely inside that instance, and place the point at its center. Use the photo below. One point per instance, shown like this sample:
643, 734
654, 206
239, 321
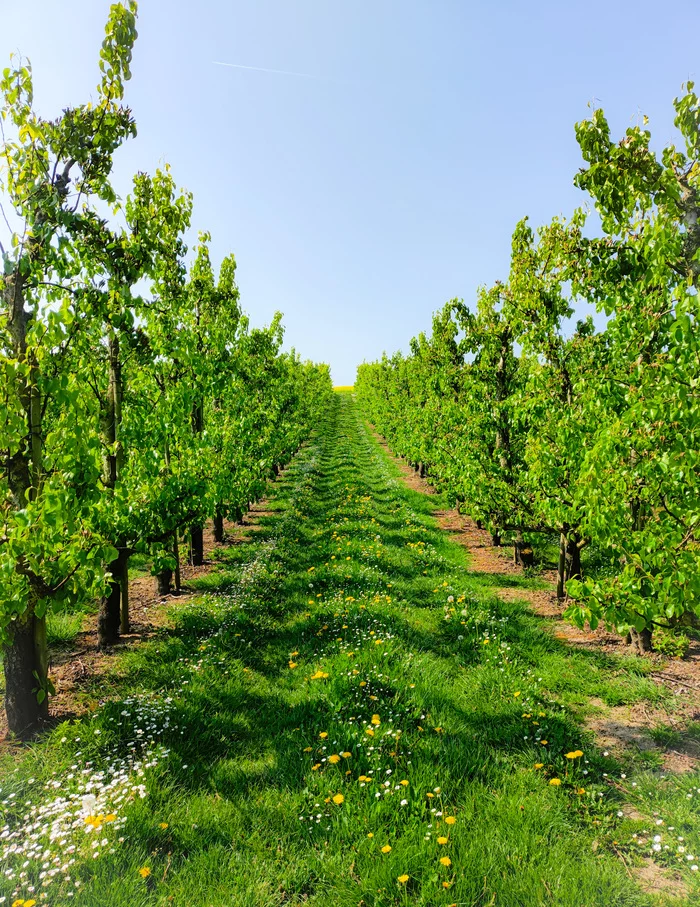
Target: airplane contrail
281, 72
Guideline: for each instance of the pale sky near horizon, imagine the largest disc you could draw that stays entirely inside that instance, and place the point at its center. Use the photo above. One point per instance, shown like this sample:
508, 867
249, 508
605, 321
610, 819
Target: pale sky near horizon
381, 169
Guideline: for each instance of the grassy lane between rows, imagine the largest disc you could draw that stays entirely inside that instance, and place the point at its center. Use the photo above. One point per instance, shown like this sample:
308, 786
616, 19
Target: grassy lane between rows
345, 716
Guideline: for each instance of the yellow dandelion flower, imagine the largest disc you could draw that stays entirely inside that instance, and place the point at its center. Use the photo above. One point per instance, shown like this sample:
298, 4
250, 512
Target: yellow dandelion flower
442, 840
446, 861
403, 879
404, 783
323, 735
346, 755
292, 665
338, 799
430, 795
447, 884
163, 825
544, 742
450, 820
539, 764
370, 834
308, 749
581, 790
516, 694
363, 683
555, 782
334, 759
144, 872
386, 848
376, 719
315, 768
574, 754
368, 730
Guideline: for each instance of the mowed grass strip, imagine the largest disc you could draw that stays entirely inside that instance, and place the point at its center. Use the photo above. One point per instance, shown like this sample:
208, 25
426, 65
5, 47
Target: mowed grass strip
344, 716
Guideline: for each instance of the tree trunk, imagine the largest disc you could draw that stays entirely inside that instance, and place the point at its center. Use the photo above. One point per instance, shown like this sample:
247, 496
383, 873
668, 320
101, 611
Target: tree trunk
163, 581
176, 552
573, 557
196, 546
124, 589
641, 640
109, 616
496, 539
522, 552
24, 657
219, 526
561, 567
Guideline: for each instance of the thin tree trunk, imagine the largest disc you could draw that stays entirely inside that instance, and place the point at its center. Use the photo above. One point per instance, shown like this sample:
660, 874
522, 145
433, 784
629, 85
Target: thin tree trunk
109, 616
197, 531
163, 581
26, 656
124, 583
176, 552
522, 551
573, 557
218, 526
561, 567
641, 640
496, 539
196, 546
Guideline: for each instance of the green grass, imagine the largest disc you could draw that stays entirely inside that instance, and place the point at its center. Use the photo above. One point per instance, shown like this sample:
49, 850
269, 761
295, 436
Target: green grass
348, 604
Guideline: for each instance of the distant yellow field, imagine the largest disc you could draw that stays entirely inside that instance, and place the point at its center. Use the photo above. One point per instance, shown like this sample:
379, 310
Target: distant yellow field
344, 387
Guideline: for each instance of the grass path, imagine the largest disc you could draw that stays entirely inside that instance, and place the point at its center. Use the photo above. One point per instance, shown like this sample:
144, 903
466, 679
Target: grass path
346, 716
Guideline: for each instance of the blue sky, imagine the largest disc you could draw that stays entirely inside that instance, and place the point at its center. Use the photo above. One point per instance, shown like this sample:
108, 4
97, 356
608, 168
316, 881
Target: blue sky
386, 176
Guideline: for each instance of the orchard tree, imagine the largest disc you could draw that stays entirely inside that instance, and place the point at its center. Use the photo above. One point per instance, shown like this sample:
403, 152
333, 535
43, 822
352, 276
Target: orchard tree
643, 475
51, 172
